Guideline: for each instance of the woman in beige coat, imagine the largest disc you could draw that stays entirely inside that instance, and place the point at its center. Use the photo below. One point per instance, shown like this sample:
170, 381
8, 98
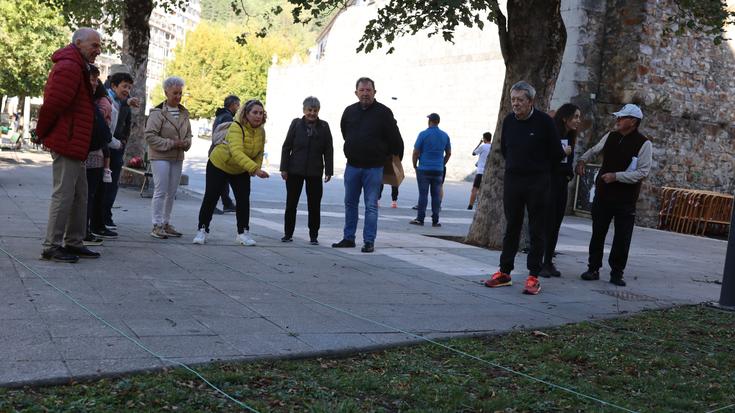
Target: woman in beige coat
168, 134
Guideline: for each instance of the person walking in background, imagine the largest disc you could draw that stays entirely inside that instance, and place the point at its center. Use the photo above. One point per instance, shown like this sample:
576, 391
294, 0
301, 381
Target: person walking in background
431, 153
307, 154
168, 134
65, 123
530, 145
482, 150
626, 162
235, 160
371, 137
393, 195
120, 122
567, 119
225, 114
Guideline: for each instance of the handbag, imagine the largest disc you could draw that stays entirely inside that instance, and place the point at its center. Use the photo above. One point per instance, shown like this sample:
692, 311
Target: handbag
393, 171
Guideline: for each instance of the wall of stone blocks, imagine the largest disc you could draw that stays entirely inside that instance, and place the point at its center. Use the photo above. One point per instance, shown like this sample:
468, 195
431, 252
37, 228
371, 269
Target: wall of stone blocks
682, 84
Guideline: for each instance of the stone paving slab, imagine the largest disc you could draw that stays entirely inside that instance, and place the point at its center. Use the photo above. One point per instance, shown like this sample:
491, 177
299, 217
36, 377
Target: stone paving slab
196, 304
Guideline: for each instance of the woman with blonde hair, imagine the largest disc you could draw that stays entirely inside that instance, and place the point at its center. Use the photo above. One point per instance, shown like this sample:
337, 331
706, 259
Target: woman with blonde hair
168, 134
235, 160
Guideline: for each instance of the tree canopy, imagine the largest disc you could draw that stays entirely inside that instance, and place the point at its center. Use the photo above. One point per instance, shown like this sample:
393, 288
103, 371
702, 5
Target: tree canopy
214, 66
29, 33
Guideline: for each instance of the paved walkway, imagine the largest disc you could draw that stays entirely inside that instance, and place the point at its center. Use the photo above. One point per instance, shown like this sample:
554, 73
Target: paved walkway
220, 301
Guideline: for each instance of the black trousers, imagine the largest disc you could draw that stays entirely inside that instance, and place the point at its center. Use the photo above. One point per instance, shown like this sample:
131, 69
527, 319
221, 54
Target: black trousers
95, 199
215, 181
521, 193
225, 195
314, 190
393, 192
110, 190
556, 205
602, 214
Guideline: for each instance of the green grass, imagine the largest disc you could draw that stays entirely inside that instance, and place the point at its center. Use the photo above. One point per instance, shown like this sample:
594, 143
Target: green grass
676, 360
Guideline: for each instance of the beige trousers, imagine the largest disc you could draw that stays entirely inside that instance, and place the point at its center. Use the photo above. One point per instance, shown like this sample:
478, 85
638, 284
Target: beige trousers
67, 213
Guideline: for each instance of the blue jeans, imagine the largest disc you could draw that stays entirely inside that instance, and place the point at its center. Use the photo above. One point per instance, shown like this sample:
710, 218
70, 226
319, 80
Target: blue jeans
366, 180
426, 181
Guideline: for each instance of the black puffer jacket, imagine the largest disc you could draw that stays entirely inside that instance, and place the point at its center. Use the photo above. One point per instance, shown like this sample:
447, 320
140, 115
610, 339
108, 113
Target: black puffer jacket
308, 155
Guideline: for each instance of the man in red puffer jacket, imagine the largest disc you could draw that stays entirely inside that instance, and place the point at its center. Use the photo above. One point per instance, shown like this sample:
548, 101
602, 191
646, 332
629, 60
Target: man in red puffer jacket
65, 127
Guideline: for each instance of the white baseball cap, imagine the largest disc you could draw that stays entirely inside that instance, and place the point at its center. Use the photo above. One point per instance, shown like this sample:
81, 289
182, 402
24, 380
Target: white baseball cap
629, 110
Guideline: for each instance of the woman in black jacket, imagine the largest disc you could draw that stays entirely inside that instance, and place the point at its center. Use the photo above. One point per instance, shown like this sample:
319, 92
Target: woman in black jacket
567, 119
307, 154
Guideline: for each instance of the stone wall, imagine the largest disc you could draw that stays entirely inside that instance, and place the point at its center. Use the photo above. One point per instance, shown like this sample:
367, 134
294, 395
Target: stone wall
682, 84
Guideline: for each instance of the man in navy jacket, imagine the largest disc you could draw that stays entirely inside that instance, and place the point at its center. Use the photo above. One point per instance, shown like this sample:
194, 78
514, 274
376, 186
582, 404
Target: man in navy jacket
531, 146
371, 137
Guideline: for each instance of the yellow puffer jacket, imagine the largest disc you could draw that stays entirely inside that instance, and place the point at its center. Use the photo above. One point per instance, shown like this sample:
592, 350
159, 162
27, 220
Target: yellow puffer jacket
239, 154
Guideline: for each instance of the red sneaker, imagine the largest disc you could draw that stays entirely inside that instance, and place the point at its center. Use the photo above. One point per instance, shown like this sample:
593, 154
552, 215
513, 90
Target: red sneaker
499, 279
532, 287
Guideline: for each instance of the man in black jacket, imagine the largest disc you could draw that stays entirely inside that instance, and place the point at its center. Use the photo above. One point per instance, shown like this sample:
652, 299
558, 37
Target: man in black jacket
371, 137
531, 147
225, 114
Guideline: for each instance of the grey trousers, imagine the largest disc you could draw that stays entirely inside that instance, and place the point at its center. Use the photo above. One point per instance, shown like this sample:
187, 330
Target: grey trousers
67, 213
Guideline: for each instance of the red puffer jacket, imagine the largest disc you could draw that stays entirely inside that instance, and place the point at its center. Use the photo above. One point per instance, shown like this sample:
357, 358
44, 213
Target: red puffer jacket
66, 118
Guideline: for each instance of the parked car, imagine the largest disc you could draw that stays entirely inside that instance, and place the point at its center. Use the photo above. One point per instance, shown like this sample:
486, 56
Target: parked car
204, 132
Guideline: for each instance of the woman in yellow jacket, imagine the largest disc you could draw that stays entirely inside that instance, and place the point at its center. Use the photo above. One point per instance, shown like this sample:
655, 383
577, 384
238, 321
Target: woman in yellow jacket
235, 160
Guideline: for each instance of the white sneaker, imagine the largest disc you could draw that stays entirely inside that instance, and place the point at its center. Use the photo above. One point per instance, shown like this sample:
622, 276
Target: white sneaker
245, 239
107, 176
201, 237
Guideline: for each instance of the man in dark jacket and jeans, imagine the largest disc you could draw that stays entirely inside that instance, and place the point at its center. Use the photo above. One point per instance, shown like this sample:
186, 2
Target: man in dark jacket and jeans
371, 137
65, 124
531, 146
225, 114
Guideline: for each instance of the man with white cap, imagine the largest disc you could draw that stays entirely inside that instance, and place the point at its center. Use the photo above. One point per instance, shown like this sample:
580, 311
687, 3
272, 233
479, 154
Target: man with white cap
627, 156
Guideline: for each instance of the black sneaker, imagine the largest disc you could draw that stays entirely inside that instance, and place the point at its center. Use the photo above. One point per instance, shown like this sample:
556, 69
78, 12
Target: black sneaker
345, 243
286, 238
619, 281
104, 233
548, 271
81, 252
436, 224
590, 275
314, 241
111, 225
416, 222
415, 207
218, 211
469, 207
368, 247
58, 255
229, 208
91, 240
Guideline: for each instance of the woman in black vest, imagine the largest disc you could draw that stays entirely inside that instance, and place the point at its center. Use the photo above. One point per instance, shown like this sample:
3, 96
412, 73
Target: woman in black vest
567, 120
307, 153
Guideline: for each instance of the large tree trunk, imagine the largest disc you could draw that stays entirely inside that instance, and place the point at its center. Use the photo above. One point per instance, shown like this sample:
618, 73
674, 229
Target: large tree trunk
136, 38
532, 43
